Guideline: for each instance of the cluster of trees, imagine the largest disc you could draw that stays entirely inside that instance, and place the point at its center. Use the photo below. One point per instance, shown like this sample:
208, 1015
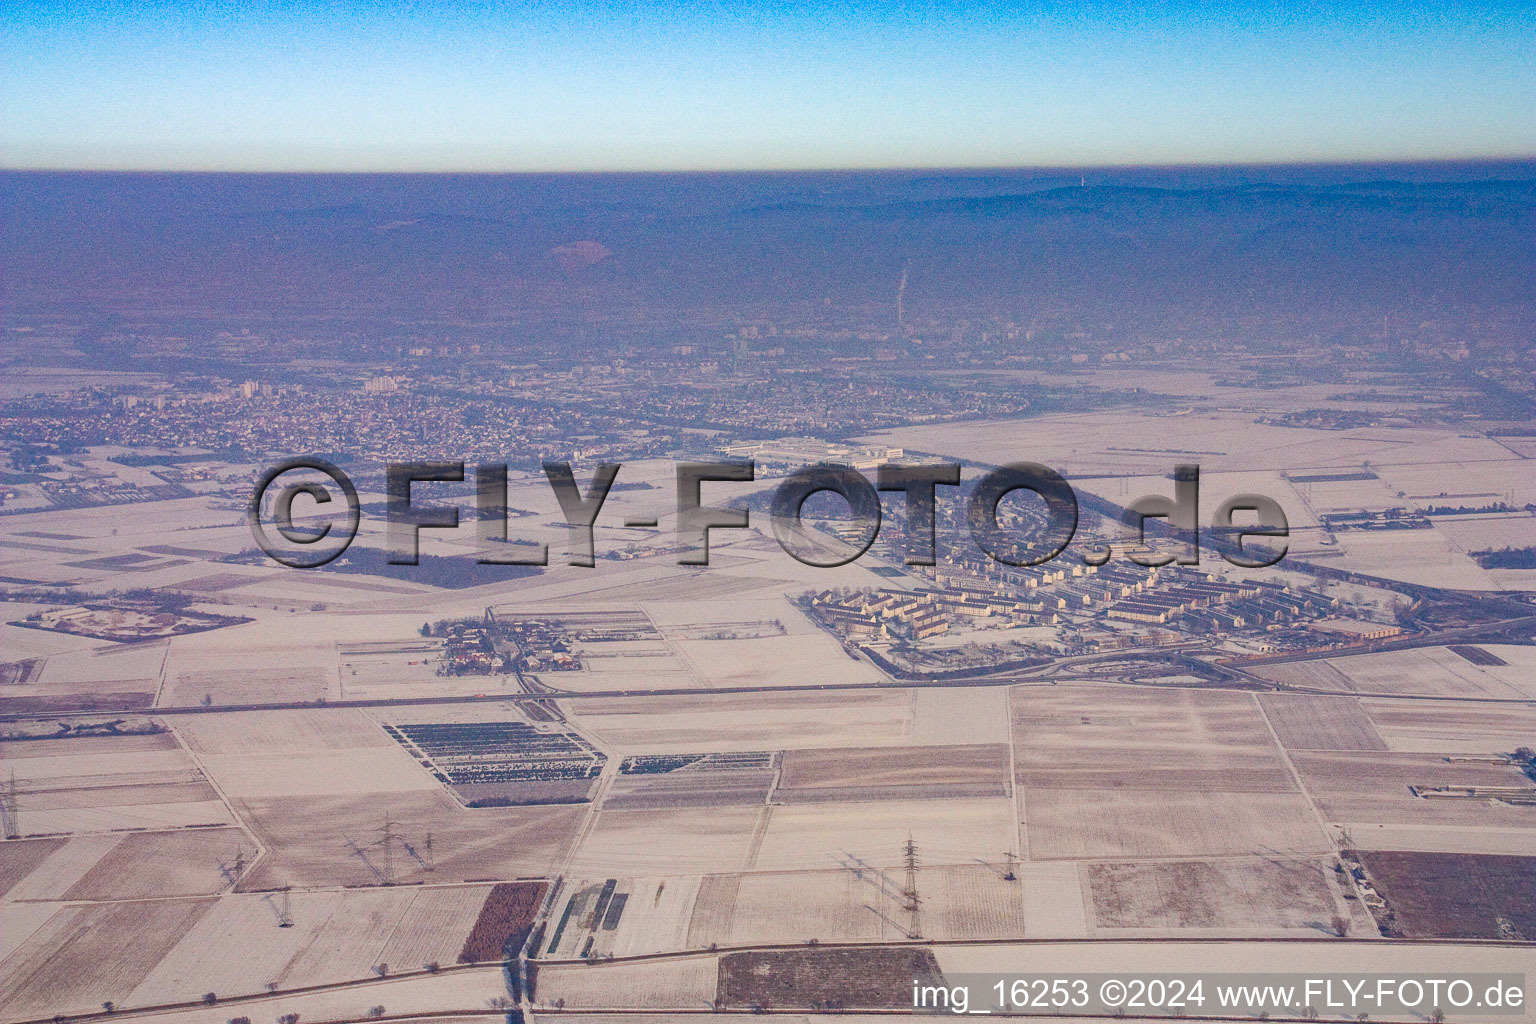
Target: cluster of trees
1506, 558
1470, 510
504, 921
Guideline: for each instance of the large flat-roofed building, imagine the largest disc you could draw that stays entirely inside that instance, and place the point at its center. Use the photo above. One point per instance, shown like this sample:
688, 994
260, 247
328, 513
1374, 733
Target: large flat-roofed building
1356, 629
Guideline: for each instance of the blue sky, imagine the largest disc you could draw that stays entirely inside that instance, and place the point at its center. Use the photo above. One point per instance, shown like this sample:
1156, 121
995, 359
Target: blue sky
727, 85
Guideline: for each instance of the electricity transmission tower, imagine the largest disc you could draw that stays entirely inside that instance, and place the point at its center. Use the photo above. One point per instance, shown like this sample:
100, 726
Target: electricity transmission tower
384, 872
913, 903
10, 819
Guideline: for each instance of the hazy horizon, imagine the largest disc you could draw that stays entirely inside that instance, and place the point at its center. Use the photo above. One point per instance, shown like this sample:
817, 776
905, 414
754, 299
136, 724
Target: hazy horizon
754, 86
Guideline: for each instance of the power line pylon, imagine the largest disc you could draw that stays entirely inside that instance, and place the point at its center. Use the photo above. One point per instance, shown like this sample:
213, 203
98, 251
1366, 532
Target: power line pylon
232, 872
10, 819
387, 839
912, 902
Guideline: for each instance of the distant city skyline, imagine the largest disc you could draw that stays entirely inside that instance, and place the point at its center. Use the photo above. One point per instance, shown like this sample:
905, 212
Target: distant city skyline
592, 86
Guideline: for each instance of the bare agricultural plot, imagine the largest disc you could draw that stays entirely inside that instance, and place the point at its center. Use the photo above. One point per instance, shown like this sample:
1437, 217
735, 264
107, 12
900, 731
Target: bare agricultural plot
689, 789
270, 685
127, 817
348, 942
770, 907
218, 582
858, 903
713, 909
1096, 737
110, 743
104, 667
955, 831
1452, 728
185, 862
360, 770
709, 586
67, 765
895, 766
1080, 824
743, 722
18, 923
238, 948
65, 864
1055, 899
802, 660
1425, 671
950, 715
864, 794
108, 791
1314, 722
965, 901
86, 786
62, 773
1377, 787
87, 955
19, 859
1435, 838
1316, 675
1249, 894
434, 926
307, 838
686, 983
268, 732
1519, 666
670, 841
